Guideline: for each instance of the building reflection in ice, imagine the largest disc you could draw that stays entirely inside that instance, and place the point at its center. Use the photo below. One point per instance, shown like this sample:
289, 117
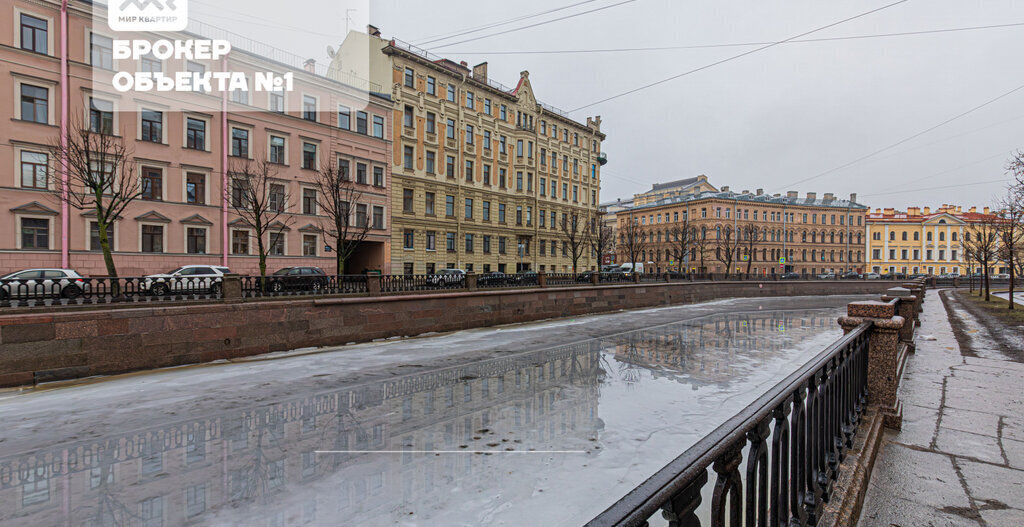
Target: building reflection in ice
458, 440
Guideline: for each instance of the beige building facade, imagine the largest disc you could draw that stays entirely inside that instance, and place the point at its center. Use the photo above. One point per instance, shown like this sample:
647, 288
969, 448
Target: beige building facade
483, 174
809, 235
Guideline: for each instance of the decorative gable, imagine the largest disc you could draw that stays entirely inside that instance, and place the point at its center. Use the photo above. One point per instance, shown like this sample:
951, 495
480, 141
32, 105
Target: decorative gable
153, 217
196, 219
34, 208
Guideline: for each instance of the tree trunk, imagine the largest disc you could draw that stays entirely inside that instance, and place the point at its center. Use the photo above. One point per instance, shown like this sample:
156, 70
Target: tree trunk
988, 284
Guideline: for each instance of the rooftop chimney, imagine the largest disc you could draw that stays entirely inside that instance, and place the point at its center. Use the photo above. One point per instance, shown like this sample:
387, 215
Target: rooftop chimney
791, 194
309, 65
464, 64
777, 195
985, 210
829, 197
372, 30
811, 196
746, 192
973, 209
725, 188
760, 191
927, 211
480, 72
853, 197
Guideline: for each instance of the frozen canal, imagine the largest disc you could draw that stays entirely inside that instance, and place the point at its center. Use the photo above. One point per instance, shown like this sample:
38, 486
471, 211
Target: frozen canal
536, 424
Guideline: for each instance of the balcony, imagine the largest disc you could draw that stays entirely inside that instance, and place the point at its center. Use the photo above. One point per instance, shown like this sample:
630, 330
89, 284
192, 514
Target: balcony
602, 159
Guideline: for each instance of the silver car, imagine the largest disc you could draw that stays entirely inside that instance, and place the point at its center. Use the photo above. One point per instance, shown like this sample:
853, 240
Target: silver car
42, 283
186, 279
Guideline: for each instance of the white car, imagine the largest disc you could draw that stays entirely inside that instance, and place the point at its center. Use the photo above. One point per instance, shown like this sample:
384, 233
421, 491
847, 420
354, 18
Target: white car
872, 276
187, 279
39, 283
1002, 276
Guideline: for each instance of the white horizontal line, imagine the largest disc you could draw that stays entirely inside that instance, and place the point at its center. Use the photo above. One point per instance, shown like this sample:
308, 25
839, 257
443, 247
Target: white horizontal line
450, 451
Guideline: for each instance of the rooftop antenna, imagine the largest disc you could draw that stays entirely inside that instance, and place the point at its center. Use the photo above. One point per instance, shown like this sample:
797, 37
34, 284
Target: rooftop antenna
348, 19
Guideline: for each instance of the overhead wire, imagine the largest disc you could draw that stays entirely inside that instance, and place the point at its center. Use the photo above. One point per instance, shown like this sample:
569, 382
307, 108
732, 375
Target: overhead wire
739, 44
537, 24
466, 31
734, 57
906, 139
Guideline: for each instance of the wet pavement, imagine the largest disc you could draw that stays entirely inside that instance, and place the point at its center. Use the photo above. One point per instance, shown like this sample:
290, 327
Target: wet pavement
959, 459
493, 426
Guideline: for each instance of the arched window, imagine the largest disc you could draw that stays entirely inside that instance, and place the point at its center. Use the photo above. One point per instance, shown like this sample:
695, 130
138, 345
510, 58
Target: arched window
928, 236
803, 256
892, 236
904, 235
942, 236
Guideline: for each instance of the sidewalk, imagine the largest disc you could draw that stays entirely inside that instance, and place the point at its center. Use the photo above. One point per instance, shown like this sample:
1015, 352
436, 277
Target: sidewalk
959, 459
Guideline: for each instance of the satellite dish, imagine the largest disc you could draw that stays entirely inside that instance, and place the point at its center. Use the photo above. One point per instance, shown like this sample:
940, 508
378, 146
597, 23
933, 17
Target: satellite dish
330, 52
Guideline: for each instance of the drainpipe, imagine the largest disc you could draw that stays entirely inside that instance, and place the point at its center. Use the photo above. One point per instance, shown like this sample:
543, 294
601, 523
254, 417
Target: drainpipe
65, 219
224, 241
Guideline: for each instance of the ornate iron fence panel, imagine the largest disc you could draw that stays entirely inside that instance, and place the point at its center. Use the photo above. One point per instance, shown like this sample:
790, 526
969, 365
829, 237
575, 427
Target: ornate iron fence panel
91, 291
795, 436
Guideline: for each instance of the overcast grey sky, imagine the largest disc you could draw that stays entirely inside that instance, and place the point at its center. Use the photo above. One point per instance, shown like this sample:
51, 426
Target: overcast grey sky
767, 120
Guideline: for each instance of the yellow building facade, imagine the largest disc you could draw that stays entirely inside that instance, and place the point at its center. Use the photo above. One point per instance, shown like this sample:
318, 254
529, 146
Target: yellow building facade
921, 241
483, 174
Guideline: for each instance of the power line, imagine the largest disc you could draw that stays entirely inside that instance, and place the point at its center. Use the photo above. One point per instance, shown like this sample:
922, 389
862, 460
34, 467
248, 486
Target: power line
734, 57
906, 139
736, 44
937, 188
566, 17
467, 31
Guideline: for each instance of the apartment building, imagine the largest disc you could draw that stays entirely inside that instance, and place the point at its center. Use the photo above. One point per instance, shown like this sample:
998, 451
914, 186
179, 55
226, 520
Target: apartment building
922, 240
483, 174
181, 145
682, 187
777, 233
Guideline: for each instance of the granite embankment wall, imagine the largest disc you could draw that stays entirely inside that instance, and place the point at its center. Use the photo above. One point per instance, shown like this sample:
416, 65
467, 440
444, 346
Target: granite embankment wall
59, 344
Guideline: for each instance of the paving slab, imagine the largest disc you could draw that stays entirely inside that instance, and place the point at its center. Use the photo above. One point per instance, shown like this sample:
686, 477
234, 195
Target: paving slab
971, 421
966, 444
925, 478
987, 482
1003, 517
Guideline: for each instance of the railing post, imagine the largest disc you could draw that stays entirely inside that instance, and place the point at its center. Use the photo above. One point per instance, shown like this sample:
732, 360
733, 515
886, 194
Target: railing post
471, 281
681, 509
542, 279
884, 358
231, 288
906, 309
595, 277
373, 284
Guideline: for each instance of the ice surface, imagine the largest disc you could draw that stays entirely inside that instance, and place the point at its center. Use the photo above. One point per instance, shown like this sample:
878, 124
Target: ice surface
535, 435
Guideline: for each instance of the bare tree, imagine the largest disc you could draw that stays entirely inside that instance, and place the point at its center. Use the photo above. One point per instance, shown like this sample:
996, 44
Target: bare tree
101, 179
701, 244
602, 240
336, 195
726, 243
1011, 232
749, 233
980, 245
259, 198
576, 232
680, 236
633, 240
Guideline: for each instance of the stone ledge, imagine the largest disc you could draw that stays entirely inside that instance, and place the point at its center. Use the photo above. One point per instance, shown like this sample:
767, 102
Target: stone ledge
843, 509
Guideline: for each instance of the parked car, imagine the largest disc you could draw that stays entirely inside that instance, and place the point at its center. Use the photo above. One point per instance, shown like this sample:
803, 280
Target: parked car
64, 283
850, 275
918, 275
494, 279
872, 276
186, 279
896, 276
447, 277
790, 276
526, 277
827, 276
1002, 276
297, 279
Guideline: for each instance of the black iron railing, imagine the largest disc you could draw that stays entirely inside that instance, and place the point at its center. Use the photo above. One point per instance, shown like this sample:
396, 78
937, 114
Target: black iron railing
302, 285
795, 436
421, 282
90, 291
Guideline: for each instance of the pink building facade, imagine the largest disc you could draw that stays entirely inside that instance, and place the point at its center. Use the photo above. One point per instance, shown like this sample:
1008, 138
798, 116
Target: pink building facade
182, 153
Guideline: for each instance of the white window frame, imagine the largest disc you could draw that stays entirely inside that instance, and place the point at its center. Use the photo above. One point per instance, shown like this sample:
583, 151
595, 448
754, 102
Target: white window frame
209, 130
147, 106
88, 49
163, 241
115, 102
164, 171
284, 243
231, 241
50, 28
88, 236
51, 89
18, 149
316, 245
243, 126
316, 107
287, 144
17, 229
184, 238
206, 172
